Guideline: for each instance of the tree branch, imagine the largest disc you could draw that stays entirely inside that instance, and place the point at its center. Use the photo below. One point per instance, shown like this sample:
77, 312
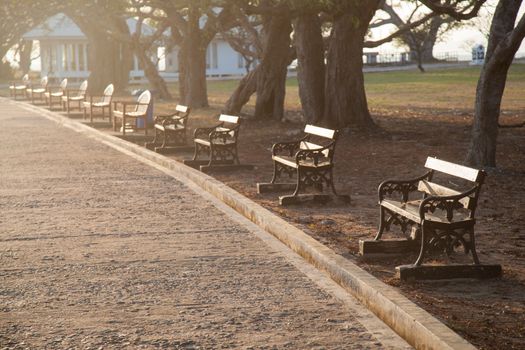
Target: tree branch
451, 9
402, 29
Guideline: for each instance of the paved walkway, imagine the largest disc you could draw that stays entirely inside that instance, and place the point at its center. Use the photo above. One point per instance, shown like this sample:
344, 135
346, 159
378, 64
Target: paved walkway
98, 250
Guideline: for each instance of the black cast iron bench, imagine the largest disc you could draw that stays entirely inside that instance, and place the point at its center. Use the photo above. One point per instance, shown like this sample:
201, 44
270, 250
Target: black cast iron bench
219, 146
312, 163
170, 131
440, 221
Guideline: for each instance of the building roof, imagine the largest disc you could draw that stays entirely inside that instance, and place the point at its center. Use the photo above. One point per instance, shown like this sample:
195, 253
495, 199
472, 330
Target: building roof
61, 26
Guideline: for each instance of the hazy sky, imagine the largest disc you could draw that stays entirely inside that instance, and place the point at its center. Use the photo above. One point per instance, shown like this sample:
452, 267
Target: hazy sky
460, 40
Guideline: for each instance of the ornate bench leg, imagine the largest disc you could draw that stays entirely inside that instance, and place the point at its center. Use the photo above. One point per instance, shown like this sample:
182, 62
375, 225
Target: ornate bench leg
330, 181
382, 223
473, 247
275, 172
235, 155
299, 182
426, 234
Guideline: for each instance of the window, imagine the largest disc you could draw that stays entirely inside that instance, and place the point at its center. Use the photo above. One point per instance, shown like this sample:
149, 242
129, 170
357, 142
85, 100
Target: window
212, 57
215, 62
64, 57
87, 57
81, 61
72, 62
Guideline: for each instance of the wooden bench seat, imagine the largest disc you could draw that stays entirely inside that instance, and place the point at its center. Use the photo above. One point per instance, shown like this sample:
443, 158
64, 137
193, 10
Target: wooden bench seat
170, 131
293, 163
441, 221
310, 162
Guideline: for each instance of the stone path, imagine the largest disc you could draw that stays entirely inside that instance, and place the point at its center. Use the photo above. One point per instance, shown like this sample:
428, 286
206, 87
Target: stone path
98, 250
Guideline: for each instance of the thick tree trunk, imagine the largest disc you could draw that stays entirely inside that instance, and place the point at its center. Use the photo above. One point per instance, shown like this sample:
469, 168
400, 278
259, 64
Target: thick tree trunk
246, 88
26, 47
271, 78
345, 97
192, 72
158, 84
109, 60
427, 47
503, 43
311, 67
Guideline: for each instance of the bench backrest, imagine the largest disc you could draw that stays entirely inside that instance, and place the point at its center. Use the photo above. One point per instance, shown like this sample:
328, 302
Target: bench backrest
63, 85
82, 89
472, 175
44, 81
108, 94
144, 101
225, 118
182, 109
234, 122
322, 133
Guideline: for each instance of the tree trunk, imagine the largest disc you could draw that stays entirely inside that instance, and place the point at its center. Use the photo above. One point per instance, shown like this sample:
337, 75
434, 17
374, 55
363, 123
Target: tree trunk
502, 46
271, 78
26, 47
428, 44
311, 67
151, 72
345, 97
109, 60
192, 72
246, 88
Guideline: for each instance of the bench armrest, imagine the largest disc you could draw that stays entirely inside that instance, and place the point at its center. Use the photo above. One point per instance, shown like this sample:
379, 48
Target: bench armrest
166, 119
71, 93
449, 204
404, 187
125, 104
223, 135
204, 132
314, 154
286, 147
96, 99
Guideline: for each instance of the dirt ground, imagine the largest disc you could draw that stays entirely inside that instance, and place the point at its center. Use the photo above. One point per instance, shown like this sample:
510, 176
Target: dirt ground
488, 313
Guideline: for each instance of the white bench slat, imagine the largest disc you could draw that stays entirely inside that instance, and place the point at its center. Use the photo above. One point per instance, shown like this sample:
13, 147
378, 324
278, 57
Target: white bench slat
316, 130
181, 108
461, 171
434, 189
229, 118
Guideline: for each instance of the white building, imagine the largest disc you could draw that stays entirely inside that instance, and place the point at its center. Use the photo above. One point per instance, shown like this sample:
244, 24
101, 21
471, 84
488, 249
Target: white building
64, 48
64, 52
221, 60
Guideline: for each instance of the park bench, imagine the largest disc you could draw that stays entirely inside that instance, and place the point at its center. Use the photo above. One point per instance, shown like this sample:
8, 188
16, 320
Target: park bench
38, 90
441, 220
19, 88
170, 130
102, 102
55, 93
311, 163
76, 96
219, 143
130, 112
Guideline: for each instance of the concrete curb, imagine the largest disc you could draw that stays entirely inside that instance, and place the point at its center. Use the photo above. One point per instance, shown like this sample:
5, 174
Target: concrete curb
415, 325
